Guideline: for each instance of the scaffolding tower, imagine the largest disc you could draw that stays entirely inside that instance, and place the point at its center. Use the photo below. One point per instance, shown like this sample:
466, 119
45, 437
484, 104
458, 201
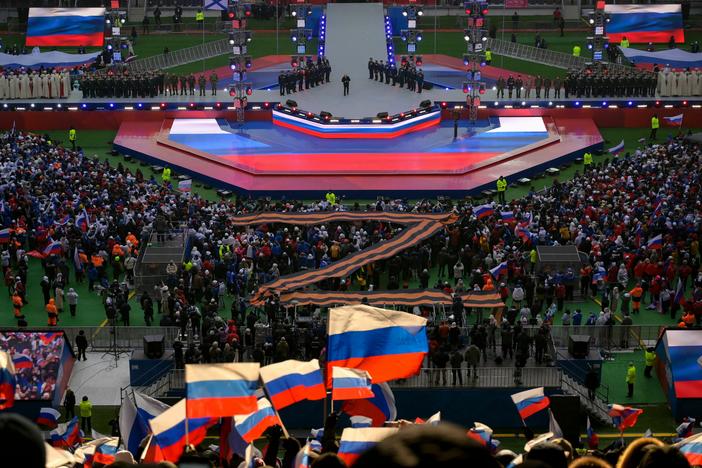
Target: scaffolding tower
239, 61
476, 37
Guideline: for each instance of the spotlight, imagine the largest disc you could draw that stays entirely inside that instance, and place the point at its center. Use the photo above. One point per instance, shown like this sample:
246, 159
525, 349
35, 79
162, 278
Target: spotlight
419, 37
249, 91
248, 62
404, 12
293, 38
309, 11
444, 104
420, 12
294, 13
466, 36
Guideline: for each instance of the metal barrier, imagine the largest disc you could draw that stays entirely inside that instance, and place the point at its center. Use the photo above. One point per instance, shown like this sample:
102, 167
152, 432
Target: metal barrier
181, 56
126, 338
487, 377
608, 337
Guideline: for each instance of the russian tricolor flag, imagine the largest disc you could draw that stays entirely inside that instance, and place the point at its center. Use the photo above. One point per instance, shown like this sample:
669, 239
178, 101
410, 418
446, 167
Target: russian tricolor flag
8, 381
645, 23
355, 441
676, 120
386, 343
48, 417
65, 27
105, 453
350, 384
221, 390
54, 248
185, 185
655, 242
483, 211
530, 402
623, 416
432, 421
481, 433
684, 351
361, 421
22, 361
66, 435
379, 409
291, 381
692, 449
83, 221
251, 426
5, 235
592, 439
685, 428
499, 270
618, 148
168, 430
507, 216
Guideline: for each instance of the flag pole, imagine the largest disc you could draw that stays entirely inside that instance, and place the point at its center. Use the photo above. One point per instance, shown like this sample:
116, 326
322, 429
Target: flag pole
275, 410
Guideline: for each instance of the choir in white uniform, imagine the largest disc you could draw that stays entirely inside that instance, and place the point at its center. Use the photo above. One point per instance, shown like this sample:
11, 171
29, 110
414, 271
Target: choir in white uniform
32, 85
681, 83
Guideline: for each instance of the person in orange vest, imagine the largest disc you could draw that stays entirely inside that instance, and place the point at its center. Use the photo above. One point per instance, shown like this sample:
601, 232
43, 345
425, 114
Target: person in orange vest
52, 313
17, 305
132, 238
636, 295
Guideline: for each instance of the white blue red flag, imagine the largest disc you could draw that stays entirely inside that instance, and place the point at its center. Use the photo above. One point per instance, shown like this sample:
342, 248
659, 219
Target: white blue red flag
361, 421
645, 23
350, 384
83, 221
507, 216
168, 430
66, 435
185, 185
355, 441
380, 408
685, 428
684, 348
8, 381
676, 120
592, 439
482, 434
134, 417
60, 27
692, 449
499, 270
221, 390
618, 148
22, 361
48, 417
5, 235
387, 344
53, 248
655, 242
483, 211
251, 426
530, 402
291, 381
63, 221
433, 420
623, 416
105, 452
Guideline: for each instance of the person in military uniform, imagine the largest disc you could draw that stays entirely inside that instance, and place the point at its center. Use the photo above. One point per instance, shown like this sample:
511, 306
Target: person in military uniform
281, 83
371, 68
202, 84
547, 87
518, 83
327, 70
538, 83
213, 83
376, 66
183, 83
191, 85
300, 79
510, 86
501, 87
420, 81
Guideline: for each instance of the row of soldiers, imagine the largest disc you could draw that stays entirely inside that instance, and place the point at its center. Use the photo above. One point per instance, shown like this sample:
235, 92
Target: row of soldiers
601, 82
46, 84
306, 76
146, 84
408, 74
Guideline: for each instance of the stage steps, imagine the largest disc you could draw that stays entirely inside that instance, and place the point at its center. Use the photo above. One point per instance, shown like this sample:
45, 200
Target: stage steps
355, 32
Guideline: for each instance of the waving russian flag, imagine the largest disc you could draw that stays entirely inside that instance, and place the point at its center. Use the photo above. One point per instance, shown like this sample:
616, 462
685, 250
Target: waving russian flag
530, 402
507, 216
499, 270
676, 120
483, 211
623, 416
83, 221
379, 409
386, 343
48, 417
221, 390
692, 449
22, 361
655, 242
618, 148
5, 235
63, 221
592, 439
481, 433
433, 420
361, 421
685, 429
168, 430
355, 441
251, 426
65, 27
54, 248
645, 23
350, 384
8, 381
66, 435
105, 452
291, 381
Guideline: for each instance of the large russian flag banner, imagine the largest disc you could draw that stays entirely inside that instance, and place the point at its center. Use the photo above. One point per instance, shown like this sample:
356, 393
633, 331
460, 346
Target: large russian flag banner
645, 23
66, 27
291, 381
221, 390
388, 344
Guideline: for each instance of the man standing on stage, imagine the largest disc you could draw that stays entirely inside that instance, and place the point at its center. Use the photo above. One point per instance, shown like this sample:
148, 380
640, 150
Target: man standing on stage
345, 80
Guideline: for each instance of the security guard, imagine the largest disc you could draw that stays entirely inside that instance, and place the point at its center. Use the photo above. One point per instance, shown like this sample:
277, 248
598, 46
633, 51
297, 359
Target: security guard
86, 413
166, 175
650, 358
501, 189
655, 124
630, 379
587, 161
200, 18
488, 56
624, 42
576, 51
72, 137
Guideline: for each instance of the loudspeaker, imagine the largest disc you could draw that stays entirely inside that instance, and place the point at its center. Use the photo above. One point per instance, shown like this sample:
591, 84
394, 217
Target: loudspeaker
579, 346
325, 115
566, 409
382, 115
425, 103
154, 346
291, 103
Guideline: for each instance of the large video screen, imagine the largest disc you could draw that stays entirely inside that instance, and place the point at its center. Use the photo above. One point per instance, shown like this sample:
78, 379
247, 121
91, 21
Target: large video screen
38, 359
